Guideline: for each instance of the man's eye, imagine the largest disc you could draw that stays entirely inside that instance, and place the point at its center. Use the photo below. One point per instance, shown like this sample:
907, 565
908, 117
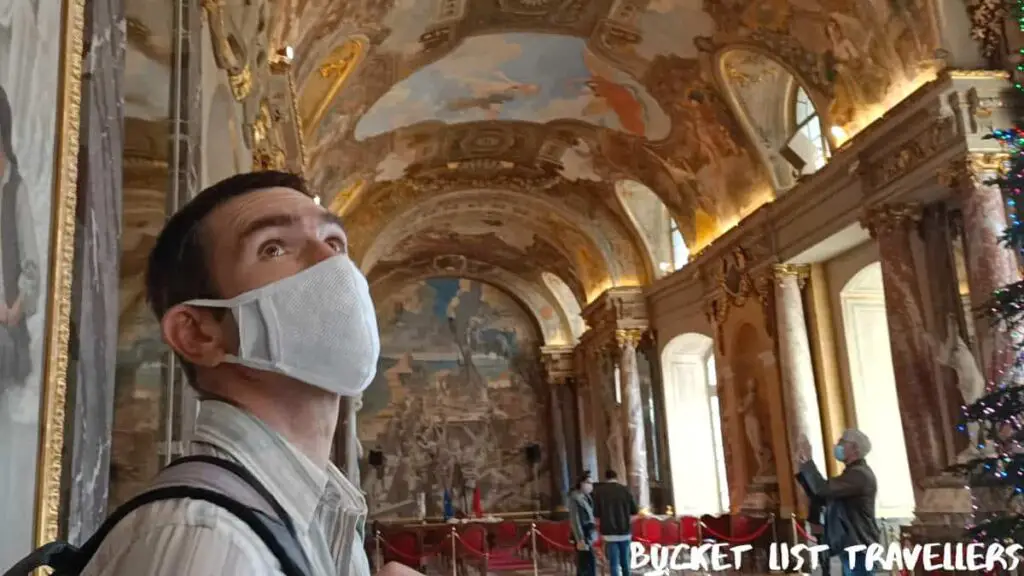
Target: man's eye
271, 249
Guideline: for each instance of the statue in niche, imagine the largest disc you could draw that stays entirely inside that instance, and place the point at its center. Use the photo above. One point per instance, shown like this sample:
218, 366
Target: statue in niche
955, 354
752, 427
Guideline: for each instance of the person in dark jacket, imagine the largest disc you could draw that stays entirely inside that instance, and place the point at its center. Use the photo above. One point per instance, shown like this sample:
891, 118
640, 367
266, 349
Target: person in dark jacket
615, 507
849, 498
584, 527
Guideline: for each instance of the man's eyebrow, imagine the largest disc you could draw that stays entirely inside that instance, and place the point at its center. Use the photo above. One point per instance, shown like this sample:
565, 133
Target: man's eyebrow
270, 221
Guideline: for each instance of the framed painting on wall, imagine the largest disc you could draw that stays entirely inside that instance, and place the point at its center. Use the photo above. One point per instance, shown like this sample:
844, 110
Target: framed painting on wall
40, 93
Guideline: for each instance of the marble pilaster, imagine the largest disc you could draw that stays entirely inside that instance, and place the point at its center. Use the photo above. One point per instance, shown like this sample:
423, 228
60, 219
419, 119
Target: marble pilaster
636, 442
558, 366
892, 226
585, 415
90, 399
797, 369
989, 264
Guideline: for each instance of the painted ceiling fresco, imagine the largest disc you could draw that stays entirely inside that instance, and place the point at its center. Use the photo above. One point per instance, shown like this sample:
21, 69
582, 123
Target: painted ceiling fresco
558, 101
514, 77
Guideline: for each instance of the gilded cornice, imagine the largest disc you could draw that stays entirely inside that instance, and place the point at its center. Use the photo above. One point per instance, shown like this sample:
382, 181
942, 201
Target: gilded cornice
883, 220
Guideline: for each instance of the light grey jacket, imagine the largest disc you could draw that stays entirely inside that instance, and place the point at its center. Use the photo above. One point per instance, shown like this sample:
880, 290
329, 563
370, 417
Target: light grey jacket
581, 518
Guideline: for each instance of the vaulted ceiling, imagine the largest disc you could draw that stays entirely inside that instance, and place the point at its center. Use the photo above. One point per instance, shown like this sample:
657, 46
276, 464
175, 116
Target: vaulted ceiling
486, 138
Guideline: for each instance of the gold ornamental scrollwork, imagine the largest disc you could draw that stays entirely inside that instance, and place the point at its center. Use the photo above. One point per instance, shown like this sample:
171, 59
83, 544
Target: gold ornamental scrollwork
735, 285
888, 218
968, 172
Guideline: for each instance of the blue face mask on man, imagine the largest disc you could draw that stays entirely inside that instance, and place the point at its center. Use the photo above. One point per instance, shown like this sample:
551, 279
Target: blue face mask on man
840, 452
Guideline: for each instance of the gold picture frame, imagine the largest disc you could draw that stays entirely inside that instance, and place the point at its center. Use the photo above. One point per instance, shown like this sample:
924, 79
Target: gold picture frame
40, 330
62, 251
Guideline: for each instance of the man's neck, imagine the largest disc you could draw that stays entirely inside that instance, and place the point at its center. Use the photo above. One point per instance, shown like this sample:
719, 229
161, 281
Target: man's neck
305, 416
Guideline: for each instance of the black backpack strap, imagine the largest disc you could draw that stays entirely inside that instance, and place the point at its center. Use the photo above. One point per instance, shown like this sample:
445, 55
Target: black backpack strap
277, 533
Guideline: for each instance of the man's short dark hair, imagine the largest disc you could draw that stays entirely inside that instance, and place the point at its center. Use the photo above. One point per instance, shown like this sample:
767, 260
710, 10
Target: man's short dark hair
178, 269
610, 474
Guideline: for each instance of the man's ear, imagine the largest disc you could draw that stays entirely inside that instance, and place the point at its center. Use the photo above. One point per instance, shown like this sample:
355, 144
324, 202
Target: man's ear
195, 334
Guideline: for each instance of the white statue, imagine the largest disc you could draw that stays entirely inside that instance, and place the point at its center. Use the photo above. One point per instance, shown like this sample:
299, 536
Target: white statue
956, 354
752, 426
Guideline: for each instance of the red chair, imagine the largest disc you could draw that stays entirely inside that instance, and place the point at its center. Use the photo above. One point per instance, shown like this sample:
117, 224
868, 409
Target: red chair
649, 529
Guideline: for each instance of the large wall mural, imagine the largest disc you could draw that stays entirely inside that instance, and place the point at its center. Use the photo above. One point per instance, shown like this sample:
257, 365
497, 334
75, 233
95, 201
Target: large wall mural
457, 398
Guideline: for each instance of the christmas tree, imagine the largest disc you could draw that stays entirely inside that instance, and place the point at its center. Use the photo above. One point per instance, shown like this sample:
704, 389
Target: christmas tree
998, 467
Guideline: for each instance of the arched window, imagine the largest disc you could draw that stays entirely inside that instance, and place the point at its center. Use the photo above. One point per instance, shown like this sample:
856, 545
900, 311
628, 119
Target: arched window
808, 123
680, 254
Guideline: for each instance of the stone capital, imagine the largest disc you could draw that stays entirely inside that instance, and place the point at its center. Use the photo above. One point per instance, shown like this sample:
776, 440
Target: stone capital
558, 363
889, 218
629, 337
798, 271
967, 172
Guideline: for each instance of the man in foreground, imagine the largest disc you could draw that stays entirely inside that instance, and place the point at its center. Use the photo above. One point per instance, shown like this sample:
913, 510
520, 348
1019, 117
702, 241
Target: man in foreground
272, 323
849, 498
615, 507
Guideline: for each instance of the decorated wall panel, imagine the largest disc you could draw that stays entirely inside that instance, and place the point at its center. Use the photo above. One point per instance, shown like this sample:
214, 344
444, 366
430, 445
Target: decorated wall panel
458, 396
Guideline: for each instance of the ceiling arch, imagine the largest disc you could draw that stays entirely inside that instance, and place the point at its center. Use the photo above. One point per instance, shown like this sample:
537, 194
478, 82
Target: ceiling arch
760, 93
589, 249
625, 90
552, 318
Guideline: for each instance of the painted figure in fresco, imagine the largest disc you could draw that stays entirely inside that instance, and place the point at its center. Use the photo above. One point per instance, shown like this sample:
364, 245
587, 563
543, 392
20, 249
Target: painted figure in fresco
19, 260
752, 427
859, 80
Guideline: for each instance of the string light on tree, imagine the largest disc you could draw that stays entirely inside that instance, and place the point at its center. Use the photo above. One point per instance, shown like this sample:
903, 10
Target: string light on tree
999, 464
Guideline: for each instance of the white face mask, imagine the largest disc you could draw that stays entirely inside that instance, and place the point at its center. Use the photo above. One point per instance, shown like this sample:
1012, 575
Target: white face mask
318, 326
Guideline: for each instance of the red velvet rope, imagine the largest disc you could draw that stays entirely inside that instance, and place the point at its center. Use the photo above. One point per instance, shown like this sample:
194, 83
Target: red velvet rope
807, 536
738, 539
552, 543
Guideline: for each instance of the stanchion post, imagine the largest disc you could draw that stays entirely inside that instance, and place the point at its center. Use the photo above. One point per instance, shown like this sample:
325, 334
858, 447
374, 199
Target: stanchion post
533, 546
775, 529
378, 556
454, 563
700, 531
793, 530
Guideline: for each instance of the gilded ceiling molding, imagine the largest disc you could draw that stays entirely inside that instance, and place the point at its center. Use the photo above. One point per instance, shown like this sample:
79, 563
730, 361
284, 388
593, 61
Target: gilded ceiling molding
885, 219
335, 71
261, 83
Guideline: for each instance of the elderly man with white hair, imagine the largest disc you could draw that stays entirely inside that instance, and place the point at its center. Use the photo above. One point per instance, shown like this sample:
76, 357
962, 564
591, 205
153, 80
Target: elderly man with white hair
849, 497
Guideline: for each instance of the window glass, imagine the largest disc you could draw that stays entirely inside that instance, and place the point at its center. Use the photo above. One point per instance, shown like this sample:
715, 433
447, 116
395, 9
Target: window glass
808, 123
680, 254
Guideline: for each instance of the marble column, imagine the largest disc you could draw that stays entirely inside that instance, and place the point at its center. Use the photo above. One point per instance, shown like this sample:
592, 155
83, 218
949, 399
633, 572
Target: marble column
636, 443
90, 401
558, 367
989, 264
803, 417
892, 226
588, 437
560, 461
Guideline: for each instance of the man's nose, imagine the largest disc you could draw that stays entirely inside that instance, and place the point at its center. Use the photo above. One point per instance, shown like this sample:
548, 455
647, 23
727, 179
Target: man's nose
319, 250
